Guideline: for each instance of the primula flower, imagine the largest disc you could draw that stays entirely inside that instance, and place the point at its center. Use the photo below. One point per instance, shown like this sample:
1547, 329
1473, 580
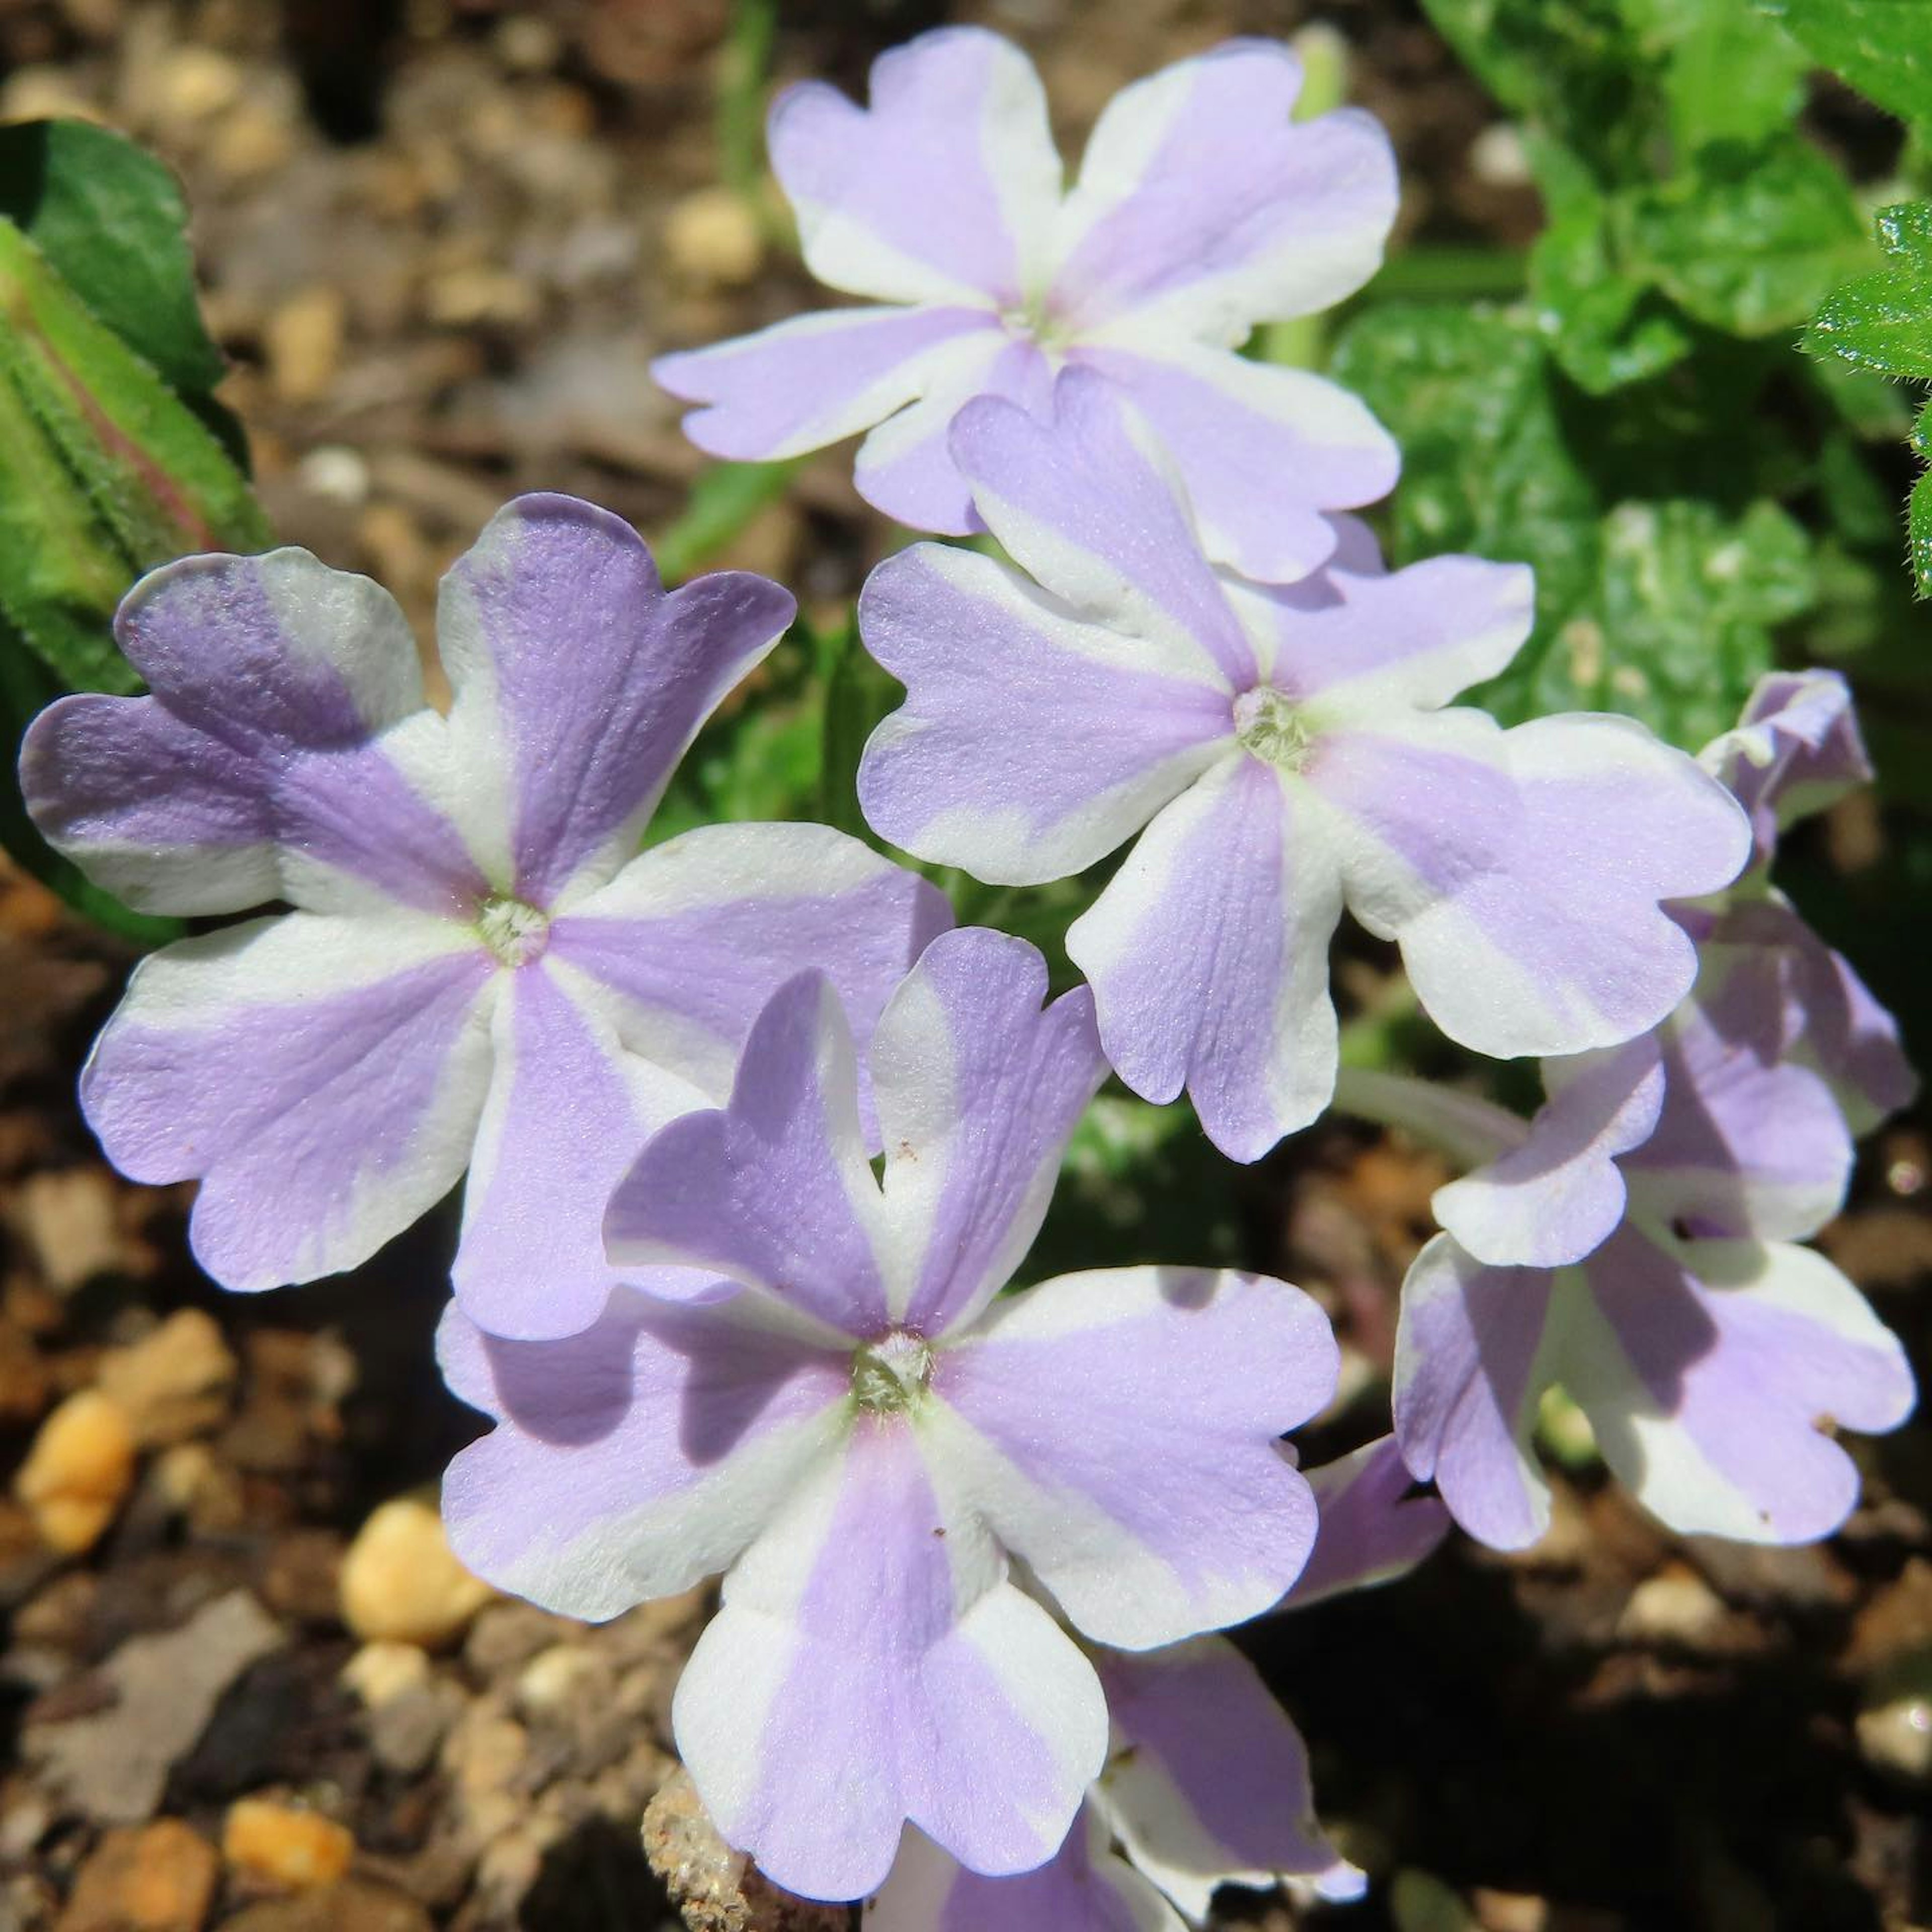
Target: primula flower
1289, 752
1795, 751
1633, 1244
1206, 1782
1201, 209
480, 972
860, 1435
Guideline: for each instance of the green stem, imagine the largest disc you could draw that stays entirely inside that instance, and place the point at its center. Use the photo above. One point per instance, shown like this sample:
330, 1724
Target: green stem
1470, 1132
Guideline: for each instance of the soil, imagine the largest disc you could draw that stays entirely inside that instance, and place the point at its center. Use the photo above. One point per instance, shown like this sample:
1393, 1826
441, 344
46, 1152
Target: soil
441, 241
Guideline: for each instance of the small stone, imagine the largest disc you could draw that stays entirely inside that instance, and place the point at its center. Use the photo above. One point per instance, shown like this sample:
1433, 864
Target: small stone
401, 1581
175, 1382
528, 43
355, 1905
718, 1889
286, 1845
303, 341
508, 1633
384, 1669
253, 141
67, 1217
711, 240
160, 1878
156, 1694
45, 94
192, 1481
79, 1471
196, 84
468, 297
1896, 1736
337, 474
405, 1730
555, 1679
1676, 1607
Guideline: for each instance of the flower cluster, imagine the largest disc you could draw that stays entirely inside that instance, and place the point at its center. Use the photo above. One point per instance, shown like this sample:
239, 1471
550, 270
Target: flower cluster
753, 1144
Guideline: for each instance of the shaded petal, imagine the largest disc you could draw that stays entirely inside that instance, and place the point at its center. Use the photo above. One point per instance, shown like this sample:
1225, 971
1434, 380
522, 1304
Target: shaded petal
1083, 1888
1468, 1375
871, 1665
285, 752
1358, 646
817, 378
1561, 1193
979, 1089
321, 1076
1031, 743
634, 1459
774, 1191
1208, 956
1118, 1430
1796, 750
568, 1112
1745, 1144
1208, 1784
581, 681
1563, 946
1087, 504
693, 937
1706, 1372
1202, 208
1370, 1529
942, 190
1263, 450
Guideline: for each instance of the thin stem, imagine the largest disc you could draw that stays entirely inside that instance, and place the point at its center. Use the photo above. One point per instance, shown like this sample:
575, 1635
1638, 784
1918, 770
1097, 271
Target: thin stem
1471, 1131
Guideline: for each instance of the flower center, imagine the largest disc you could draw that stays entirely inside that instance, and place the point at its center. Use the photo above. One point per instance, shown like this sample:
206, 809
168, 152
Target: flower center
890, 1375
1268, 723
515, 932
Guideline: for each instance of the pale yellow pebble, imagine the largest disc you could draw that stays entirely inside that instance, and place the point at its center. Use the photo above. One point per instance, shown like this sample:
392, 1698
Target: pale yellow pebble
284, 1844
384, 1670
303, 340
79, 1471
401, 1580
174, 1381
711, 240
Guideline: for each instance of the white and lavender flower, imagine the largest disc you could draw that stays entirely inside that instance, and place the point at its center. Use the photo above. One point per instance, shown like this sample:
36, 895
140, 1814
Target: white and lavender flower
848, 1423
1634, 1245
1289, 751
1201, 209
480, 972
1206, 1782
1795, 751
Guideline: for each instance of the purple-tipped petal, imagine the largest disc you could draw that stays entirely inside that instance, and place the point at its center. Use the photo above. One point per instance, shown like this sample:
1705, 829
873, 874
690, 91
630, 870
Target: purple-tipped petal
817, 378
633, 1459
1208, 1784
1202, 208
1708, 1372
773, 1191
321, 1076
1118, 1429
1022, 753
581, 680
568, 1111
1208, 956
692, 938
1264, 450
979, 1085
283, 754
1794, 751
1083, 1888
942, 190
1370, 1529
871, 1665
1561, 1193
1085, 502
1467, 1379
1564, 945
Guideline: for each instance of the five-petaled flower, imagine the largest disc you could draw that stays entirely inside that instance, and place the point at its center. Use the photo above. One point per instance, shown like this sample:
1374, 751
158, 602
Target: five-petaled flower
481, 972
1201, 209
1634, 1245
840, 1414
1289, 750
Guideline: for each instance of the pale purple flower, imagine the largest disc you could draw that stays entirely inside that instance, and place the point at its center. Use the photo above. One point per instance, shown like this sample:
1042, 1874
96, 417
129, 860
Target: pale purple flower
1289, 751
480, 973
1795, 751
1201, 210
1634, 1245
852, 1427
1206, 1782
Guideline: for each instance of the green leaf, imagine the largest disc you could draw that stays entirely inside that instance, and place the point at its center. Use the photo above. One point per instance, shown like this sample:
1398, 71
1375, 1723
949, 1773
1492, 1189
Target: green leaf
1883, 47
1731, 73
111, 220
1918, 533
724, 499
1607, 328
1883, 321
104, 473
1752, 237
